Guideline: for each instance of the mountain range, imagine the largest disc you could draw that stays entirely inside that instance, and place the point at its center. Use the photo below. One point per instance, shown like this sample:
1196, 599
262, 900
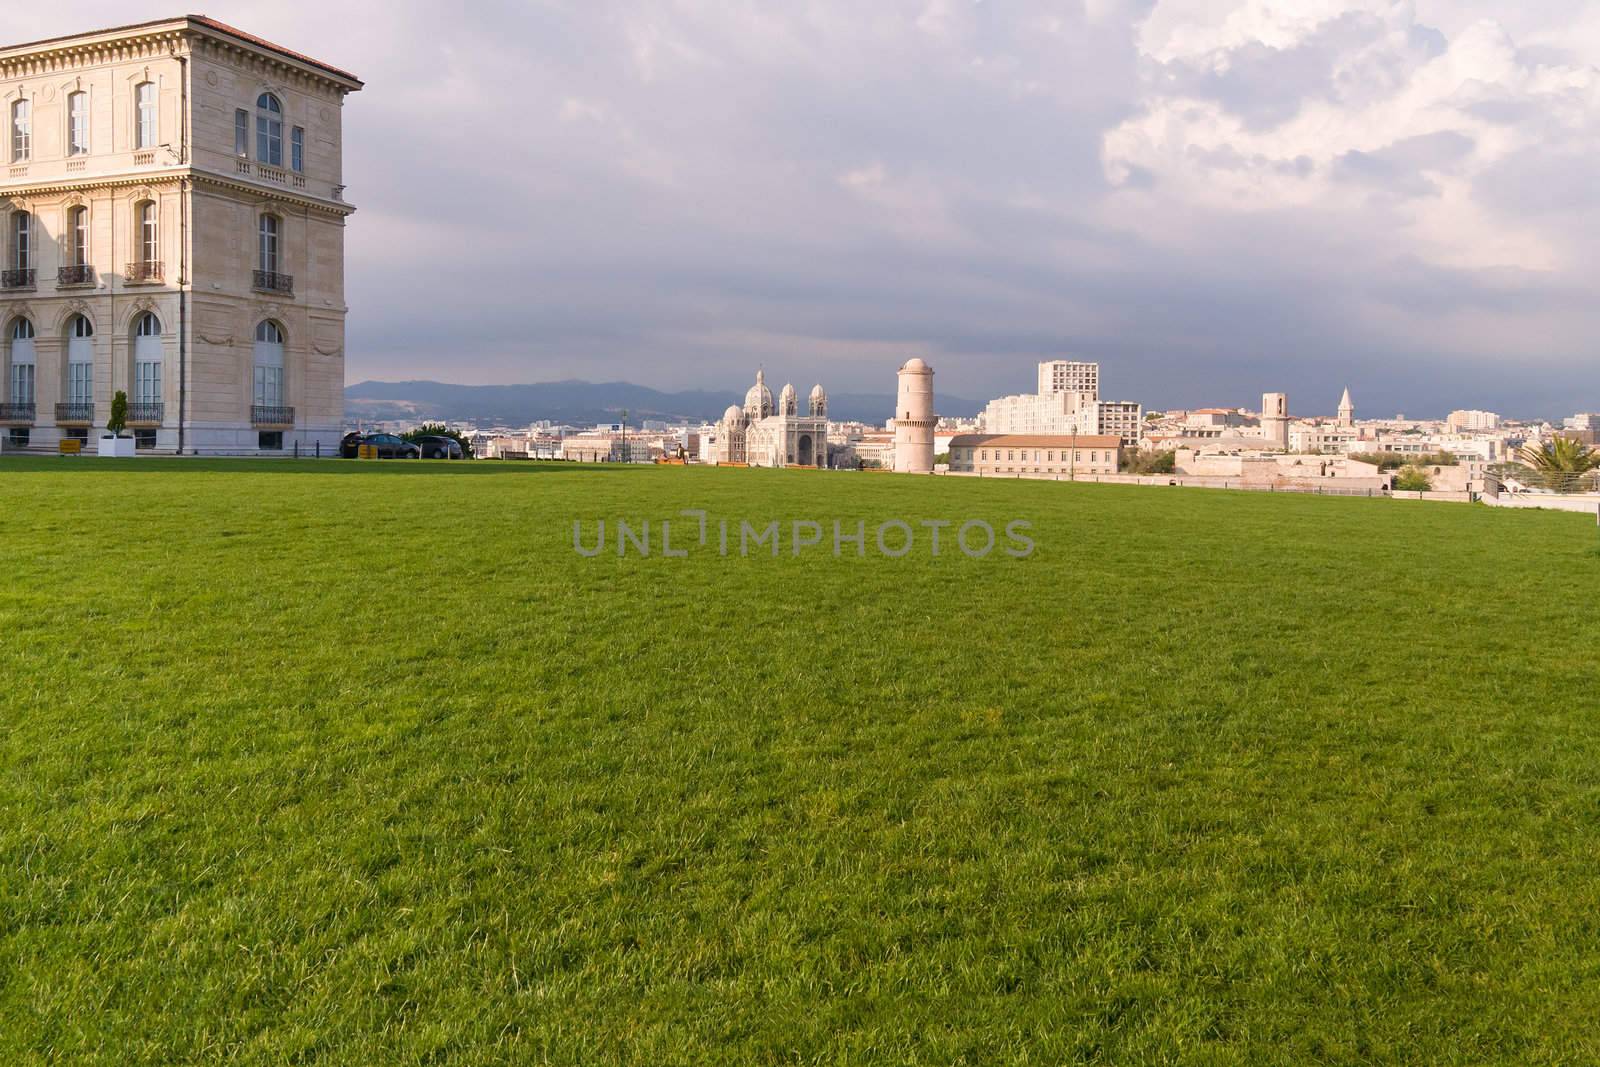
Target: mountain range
583, 403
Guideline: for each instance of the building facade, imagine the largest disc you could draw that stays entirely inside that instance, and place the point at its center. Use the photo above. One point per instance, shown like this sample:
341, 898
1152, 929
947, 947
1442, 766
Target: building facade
174, 213
1043, 454
1070, 376
1067, 403
768, 433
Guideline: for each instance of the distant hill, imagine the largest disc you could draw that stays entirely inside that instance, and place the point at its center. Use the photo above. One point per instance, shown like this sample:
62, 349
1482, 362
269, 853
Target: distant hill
583, 403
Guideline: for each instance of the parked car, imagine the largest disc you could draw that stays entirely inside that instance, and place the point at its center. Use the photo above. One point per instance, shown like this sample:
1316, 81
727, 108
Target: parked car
388, 445
439, 447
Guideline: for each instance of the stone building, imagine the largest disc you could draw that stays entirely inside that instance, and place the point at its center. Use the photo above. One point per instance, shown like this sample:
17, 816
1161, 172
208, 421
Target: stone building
914, 419
1035, 454
174, 207
765, 433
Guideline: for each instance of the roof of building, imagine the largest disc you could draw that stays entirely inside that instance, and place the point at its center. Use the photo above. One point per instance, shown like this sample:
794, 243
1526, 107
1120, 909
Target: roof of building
1036, 440
205, 21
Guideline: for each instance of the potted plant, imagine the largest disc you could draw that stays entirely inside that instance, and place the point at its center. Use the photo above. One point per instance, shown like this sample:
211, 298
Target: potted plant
113, 442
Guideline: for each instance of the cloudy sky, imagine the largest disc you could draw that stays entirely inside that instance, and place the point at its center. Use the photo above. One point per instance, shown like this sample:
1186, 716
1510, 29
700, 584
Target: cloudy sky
1212, 197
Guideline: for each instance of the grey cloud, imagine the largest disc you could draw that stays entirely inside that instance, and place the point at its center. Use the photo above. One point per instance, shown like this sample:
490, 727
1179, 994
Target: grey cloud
653, 191
1399, 168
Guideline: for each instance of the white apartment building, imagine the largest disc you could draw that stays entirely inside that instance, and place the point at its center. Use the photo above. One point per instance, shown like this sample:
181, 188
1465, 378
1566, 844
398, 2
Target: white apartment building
1583, 421
1466, 421
172, 197
1068, 403
1070, 376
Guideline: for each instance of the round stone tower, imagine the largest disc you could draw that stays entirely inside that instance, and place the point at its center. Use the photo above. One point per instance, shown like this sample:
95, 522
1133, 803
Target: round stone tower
914, 419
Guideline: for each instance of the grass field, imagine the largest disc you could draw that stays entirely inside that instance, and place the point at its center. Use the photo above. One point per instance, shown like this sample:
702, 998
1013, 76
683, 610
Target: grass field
362, 764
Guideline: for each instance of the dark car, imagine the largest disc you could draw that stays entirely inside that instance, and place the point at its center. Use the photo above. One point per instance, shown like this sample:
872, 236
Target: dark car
439, 447
388, 445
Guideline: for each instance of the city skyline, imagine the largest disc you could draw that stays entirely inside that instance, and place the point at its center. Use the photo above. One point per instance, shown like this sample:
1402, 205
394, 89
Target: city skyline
1212, 199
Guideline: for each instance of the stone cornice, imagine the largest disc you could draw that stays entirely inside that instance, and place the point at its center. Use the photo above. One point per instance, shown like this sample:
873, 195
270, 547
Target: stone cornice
136, 179
157, 40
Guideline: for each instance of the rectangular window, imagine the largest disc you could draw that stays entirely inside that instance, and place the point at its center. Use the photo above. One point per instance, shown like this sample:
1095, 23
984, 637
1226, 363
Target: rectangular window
297, 149
268, 251
18, 437
146, 133
270, 441
22, 241
22, 383
78, 124
80, 383
80, 237
21, 131
149, 236
269, 141
144, 440
268, 386
241, 133
147, 383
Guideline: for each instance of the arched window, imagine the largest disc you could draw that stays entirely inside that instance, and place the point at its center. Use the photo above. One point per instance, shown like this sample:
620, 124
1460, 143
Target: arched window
149, 234
268, 244
78, 124
147, 359
146, 130
80, 360
269, 130
267, 388
22, 362
78, 236
22, 131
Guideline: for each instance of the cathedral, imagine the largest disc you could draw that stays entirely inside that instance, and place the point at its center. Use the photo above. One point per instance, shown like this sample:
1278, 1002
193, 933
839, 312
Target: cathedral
763, 434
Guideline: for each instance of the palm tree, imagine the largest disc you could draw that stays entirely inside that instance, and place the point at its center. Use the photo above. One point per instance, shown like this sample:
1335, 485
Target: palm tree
1562, 463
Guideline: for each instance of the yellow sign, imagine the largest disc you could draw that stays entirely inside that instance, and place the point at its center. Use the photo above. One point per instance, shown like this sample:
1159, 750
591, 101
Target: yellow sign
71, 446
368, 451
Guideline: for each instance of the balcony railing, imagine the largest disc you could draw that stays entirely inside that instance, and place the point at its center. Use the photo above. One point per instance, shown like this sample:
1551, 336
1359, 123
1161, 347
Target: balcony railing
79, 274
271, 415
74, 414
141, 273
270, 281
16, 413
17, 279
143, 414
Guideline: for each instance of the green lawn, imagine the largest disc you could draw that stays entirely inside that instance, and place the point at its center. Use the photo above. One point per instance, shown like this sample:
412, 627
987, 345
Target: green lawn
362, 764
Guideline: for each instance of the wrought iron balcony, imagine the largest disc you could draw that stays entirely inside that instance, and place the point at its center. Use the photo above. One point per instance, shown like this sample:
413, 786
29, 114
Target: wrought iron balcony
74, 414
143, 273
143, 414
16, 414
79, 274
271, 415
17, 279
270, 281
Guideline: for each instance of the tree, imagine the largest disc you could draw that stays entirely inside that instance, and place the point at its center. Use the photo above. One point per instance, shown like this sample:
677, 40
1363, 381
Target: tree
1562, 464
119, 414
1163, 462
436, 429
1413, 479
1393, 461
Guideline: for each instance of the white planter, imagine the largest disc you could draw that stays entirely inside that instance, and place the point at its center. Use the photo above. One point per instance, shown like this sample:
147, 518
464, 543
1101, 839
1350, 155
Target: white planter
117, 447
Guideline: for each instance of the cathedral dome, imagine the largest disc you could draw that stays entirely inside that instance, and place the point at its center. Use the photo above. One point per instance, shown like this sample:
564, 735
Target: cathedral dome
758, 401
788, 402
819, 401
915, 365
732, 416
